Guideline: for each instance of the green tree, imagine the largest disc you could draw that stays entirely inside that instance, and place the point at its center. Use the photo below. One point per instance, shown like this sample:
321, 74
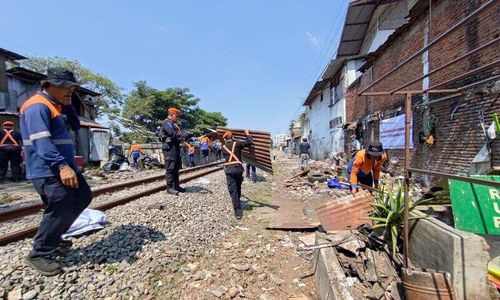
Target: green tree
111, 97
147, 108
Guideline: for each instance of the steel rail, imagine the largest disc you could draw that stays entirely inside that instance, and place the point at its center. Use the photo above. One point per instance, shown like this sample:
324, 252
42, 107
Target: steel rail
19, 212
31, 231
437, 39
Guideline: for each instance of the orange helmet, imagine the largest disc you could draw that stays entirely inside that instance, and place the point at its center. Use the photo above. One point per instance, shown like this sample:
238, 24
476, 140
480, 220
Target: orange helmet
226, 134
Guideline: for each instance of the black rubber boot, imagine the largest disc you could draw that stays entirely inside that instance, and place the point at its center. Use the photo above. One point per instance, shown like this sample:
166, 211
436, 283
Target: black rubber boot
238, 213
43, 265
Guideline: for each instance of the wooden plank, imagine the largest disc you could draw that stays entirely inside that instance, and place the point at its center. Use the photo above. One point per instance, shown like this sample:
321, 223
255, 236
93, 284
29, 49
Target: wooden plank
293, 226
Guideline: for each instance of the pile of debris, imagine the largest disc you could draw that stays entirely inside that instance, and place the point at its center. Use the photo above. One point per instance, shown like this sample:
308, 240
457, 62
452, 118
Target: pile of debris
313, 179
368, 267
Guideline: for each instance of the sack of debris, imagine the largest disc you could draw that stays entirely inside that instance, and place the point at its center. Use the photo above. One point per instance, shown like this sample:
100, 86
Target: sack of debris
335, 183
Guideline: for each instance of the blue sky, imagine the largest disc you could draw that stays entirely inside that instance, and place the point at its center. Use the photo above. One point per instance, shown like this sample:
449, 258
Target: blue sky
252, 60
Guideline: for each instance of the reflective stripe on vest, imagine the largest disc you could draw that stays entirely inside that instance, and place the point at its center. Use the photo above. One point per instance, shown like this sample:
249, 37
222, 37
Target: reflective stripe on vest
8, 135
55, 142
55, 110
232, 157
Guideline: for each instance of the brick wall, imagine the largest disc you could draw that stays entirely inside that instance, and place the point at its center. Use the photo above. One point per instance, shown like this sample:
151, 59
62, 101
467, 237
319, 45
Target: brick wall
458, 139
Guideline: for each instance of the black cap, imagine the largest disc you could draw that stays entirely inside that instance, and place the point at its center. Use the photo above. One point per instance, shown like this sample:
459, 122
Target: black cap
375, 149
61, 77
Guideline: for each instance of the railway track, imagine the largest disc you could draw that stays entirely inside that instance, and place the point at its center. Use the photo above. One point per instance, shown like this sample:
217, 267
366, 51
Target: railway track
33, 209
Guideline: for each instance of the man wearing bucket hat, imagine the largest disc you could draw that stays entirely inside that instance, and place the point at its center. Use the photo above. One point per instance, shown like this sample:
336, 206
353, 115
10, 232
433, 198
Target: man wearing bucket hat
10, 151
51, 166
367, 166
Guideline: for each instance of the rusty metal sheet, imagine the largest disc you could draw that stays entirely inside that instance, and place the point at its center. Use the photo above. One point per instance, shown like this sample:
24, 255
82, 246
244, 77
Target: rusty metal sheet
346, 212
260, 154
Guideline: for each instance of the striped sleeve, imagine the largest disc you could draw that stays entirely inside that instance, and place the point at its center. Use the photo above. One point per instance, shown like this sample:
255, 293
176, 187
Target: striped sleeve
38, 118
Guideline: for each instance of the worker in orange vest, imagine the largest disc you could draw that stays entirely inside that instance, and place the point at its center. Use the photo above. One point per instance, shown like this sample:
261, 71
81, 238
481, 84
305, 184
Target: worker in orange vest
191, 151
233, 167
11, 143
366, 165
135, 152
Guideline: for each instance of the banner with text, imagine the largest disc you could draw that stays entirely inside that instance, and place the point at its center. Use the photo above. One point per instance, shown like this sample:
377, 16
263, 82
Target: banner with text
392, 133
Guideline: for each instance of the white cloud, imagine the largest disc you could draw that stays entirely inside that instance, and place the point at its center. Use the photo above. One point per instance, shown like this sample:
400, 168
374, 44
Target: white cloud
313, 39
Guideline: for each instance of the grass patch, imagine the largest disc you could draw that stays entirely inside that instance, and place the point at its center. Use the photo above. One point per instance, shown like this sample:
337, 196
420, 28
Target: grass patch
5, 198
111, 270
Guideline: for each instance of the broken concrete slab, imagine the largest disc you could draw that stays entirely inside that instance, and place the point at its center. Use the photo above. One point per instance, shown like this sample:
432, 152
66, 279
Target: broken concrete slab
371, 272
308, 239
329, 279
352, 246
435, 245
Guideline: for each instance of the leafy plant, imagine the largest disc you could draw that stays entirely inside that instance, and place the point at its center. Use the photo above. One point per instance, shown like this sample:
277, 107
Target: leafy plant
389, 211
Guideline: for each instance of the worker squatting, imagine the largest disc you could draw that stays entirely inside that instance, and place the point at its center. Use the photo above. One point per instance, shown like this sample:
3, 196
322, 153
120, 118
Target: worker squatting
51, 166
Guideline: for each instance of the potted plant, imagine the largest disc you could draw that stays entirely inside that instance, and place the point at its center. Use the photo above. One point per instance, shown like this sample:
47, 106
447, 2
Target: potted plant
388, 212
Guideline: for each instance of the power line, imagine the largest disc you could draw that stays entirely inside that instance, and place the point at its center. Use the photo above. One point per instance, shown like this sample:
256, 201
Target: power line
369, 31
325, 48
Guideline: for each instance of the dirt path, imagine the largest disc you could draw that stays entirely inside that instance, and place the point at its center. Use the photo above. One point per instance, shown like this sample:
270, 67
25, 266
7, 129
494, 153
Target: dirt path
253, 262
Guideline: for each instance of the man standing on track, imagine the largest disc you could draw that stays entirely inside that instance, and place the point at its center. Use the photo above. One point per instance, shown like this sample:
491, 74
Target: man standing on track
10, 151
234, 168
172, 137
51, 166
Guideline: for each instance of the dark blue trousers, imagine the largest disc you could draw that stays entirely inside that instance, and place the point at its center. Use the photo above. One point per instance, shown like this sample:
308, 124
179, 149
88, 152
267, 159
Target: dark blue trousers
251, 172
64, 205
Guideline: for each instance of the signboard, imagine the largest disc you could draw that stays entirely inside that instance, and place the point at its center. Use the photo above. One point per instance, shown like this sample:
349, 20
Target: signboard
392, 132
476, 207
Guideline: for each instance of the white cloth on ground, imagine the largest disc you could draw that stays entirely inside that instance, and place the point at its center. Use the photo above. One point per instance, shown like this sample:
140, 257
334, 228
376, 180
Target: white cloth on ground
88, 220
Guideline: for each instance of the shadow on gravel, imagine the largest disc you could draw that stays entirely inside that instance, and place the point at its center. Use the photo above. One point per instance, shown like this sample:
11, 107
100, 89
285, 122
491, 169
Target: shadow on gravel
198, 189
121, 245
251, 204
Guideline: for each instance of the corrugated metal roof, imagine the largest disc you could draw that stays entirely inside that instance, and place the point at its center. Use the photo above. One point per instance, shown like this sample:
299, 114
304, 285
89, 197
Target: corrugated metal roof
27, 74
9, 55
317, 88
356, 24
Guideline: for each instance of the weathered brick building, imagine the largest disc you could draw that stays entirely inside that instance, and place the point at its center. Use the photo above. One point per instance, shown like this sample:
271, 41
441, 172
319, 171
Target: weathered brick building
459, 134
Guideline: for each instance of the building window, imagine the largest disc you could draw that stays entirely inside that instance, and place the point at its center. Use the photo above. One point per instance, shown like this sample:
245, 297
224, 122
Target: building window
332, 92
339, 92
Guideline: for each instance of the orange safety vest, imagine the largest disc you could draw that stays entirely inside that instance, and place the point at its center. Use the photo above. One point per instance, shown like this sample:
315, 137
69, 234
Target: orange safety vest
55, 109
190, 149
232, 157
8, 135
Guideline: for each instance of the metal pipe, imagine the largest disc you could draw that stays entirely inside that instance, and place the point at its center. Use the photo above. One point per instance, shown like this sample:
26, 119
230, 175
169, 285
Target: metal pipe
445, 65
15, 213
406, 233
388, 93
464, 75
457, 177
437, 39
479, 82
